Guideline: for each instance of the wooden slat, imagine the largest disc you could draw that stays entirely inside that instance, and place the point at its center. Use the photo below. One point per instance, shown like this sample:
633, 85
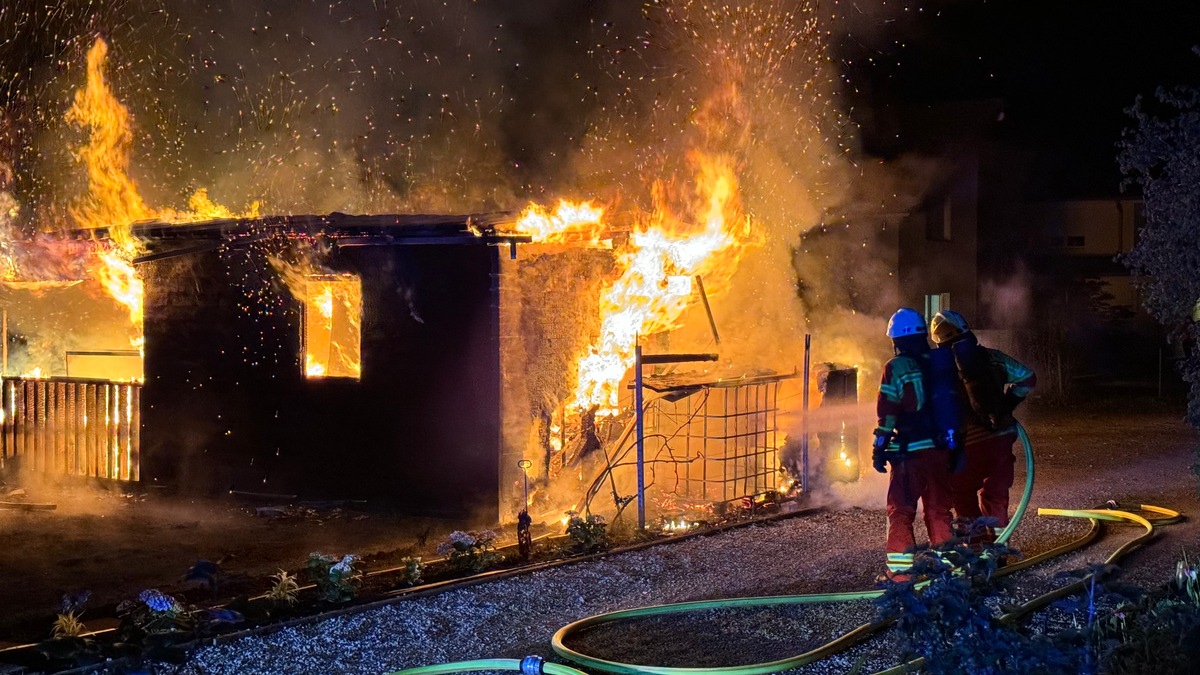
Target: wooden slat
40, 453
121, 432
108, 432
6, 451
114, 432
60, 428
24, 400
7, 396
71, 430
93, 420
135, 445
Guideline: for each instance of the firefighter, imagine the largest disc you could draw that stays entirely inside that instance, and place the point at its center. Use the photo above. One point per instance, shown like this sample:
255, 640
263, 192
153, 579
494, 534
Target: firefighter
906, 439
994, 384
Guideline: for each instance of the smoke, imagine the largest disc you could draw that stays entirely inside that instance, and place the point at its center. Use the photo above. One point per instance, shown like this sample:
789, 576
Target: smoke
1008, 301
423, 105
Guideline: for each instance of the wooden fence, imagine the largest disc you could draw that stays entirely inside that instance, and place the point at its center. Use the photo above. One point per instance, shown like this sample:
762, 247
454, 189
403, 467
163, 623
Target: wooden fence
72, 427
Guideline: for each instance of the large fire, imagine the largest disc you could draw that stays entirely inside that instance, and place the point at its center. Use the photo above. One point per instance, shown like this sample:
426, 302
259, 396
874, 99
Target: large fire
655, 285
113, 202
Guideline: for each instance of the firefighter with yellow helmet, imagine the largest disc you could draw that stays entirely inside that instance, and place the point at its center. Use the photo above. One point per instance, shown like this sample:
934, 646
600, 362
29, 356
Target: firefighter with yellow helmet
993, 384
909, 439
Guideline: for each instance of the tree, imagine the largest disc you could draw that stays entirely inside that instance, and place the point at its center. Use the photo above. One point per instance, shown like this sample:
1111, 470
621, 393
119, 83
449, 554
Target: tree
1161, 153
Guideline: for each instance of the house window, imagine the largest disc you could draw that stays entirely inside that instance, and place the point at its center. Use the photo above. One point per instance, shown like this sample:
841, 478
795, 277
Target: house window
937, 221
332, 326
935, 303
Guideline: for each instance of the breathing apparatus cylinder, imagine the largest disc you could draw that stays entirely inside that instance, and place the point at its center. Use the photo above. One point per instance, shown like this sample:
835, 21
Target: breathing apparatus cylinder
945, 400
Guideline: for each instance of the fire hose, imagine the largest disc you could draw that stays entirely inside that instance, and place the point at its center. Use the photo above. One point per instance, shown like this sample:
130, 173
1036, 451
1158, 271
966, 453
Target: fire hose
1154, 515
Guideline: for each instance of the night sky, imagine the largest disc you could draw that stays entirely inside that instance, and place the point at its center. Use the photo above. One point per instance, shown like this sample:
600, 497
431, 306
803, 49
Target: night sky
1066, 71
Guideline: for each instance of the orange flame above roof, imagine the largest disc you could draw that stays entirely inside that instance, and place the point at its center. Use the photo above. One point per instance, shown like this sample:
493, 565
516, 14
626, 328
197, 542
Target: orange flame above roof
113, 200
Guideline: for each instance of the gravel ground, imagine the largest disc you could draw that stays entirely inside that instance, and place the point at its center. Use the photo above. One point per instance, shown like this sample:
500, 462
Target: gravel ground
1085, 457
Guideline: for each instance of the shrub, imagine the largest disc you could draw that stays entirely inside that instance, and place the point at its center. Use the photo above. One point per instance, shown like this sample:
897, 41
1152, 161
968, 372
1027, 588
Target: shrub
67, 624
336, 580
469, 551
154, 613
588, 533
413, 569
285, 589
951, 627
1157, 634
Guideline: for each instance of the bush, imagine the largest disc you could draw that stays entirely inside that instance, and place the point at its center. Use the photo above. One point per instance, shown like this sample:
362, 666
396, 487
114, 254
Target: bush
951, 627
588, 533
413, 569
336, 580
1159, 634
469, 551
285, 589
155, 613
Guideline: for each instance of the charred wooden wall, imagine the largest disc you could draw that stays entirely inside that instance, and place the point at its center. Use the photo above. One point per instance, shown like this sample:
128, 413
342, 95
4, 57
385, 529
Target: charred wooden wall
226, 404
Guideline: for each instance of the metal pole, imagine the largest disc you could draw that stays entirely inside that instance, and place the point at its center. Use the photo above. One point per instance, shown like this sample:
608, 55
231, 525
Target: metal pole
804, 425
641, 435
524, 465
712, 324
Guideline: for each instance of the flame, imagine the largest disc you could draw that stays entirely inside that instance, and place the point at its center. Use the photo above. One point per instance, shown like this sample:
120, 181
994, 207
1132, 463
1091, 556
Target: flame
677, 525
575, 222
655, 286
113, 201
332, 323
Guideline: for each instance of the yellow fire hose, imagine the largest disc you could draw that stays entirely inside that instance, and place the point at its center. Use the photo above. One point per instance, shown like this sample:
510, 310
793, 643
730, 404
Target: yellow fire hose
534, 665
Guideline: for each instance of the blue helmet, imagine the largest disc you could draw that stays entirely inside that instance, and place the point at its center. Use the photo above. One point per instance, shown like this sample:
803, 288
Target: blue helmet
906, 321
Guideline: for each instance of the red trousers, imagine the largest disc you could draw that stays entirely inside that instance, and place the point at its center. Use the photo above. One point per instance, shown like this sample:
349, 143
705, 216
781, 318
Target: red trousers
924, 475
981, 488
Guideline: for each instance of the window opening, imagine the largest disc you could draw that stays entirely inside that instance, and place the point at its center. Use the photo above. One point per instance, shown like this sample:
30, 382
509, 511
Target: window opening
333, 326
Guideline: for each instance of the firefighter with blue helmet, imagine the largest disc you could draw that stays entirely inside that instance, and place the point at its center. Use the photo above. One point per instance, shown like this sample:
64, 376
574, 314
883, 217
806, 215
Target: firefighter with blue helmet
993, 385
909, 440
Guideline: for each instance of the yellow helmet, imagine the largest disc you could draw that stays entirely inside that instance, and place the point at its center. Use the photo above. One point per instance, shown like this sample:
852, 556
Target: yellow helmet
947, 325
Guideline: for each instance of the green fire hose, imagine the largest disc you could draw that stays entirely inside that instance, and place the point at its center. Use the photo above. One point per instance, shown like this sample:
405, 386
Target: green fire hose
844, 641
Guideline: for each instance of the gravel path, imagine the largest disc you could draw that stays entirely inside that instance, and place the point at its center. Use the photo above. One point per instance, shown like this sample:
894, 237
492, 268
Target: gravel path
1083, 460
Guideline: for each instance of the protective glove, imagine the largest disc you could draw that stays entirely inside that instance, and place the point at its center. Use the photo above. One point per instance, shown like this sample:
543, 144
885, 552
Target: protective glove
878, 448
879, 461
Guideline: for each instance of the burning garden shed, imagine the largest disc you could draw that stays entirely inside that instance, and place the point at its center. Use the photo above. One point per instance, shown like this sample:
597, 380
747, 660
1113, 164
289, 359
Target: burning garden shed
409, 360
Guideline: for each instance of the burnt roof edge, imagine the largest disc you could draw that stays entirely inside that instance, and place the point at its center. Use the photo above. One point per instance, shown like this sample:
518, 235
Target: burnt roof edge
469, 228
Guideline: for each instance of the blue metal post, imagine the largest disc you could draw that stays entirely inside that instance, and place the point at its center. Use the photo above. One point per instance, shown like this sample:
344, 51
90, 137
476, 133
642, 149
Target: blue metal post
641, 435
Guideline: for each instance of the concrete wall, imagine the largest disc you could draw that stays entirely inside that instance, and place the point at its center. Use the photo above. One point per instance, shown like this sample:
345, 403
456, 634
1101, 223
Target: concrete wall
1083, 227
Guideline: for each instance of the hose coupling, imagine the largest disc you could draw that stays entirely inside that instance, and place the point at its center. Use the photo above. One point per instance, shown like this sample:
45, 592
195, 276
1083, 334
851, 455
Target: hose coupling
532, 665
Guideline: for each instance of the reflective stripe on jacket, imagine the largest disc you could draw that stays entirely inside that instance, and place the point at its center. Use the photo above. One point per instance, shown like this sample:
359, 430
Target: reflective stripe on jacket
903, 396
